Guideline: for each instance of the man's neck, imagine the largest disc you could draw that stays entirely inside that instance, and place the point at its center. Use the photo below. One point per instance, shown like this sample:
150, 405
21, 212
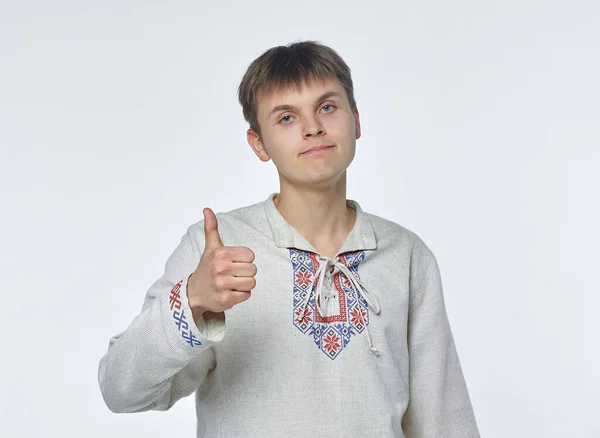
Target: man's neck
321, 216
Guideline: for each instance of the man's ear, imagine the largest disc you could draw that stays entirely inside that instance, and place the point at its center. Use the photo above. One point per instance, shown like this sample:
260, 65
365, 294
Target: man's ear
357, 122
257, 145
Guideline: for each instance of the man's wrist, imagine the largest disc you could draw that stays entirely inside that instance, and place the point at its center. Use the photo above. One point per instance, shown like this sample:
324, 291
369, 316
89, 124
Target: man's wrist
197, 311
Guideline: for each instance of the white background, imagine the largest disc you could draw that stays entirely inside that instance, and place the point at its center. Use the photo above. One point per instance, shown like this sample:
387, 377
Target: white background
119, 123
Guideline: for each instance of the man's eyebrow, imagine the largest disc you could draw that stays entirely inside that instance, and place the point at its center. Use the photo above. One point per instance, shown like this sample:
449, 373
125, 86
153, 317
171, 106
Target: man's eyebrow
286, 107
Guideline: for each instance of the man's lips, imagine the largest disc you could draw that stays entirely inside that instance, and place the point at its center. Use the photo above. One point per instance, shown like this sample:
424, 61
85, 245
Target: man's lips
317, 148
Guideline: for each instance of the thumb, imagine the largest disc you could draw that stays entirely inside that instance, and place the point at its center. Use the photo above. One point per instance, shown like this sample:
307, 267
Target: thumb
212, 239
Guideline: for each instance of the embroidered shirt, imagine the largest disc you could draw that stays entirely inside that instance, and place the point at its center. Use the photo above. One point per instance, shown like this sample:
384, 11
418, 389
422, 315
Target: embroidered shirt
358, 345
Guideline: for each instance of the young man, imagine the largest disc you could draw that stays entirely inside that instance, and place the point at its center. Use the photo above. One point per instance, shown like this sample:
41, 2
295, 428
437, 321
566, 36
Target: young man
301, 314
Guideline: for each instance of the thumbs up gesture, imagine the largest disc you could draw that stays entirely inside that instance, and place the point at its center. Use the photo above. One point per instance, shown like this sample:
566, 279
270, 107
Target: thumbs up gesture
225, 275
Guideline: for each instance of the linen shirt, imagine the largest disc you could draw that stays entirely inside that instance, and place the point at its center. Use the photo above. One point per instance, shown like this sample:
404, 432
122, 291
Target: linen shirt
355, 346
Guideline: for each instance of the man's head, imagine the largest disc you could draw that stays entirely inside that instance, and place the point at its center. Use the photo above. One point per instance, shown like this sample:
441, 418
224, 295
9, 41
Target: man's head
294, 98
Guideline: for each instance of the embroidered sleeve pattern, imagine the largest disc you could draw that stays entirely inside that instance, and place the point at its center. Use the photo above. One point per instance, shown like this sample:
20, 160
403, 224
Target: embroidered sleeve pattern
180, 318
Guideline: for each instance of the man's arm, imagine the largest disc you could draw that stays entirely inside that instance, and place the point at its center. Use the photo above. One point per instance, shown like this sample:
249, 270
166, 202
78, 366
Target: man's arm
163, 355
439, 403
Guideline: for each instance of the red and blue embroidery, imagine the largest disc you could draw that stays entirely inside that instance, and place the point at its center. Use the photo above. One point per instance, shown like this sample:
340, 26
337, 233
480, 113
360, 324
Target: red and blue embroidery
331, 333
179, 316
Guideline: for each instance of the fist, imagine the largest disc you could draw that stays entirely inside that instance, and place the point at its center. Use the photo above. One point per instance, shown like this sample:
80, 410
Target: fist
225, 275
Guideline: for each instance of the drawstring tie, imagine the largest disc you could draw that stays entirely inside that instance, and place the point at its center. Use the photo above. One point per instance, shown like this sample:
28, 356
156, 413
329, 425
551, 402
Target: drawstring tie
324, 293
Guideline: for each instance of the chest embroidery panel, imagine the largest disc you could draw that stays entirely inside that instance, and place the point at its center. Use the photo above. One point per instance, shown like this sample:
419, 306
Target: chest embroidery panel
330, 333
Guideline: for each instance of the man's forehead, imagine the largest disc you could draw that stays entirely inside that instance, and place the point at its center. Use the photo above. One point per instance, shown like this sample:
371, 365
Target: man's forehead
310, 86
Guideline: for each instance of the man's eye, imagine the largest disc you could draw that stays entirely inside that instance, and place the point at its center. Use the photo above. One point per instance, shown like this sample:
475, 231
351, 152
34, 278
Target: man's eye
288, 117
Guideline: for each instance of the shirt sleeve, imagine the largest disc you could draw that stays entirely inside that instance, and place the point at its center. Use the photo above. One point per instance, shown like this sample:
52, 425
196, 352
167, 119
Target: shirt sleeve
163, 355
439, 403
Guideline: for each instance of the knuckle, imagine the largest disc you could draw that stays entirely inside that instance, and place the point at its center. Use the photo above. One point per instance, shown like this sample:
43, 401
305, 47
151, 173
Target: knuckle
220, 252
213, 269
220, 267
223, 301
220, 283
244, 297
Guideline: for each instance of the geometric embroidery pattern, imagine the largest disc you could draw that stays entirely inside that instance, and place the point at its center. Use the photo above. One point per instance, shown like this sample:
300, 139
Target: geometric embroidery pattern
331, 334
179, 316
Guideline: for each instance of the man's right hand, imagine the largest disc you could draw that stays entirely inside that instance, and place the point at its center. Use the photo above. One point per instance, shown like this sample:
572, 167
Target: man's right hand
225, 275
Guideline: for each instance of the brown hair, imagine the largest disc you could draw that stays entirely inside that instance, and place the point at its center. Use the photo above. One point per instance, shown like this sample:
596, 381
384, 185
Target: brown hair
283, 66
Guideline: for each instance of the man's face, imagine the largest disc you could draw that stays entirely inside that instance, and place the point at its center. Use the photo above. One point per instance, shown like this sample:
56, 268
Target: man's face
292, 122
